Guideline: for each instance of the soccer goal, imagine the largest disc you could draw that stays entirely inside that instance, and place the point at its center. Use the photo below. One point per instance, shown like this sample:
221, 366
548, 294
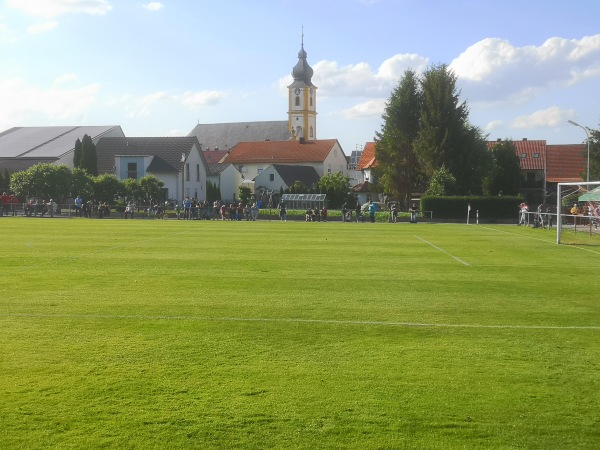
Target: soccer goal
578, 213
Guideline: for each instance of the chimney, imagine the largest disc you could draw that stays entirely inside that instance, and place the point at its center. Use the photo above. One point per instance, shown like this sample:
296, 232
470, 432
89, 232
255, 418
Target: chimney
302, 141
499, 140
524, 139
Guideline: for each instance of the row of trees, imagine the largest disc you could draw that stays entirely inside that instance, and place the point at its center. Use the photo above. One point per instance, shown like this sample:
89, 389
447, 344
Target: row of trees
45, 181
426, 143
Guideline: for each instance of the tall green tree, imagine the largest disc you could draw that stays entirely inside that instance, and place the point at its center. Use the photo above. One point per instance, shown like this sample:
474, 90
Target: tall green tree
445, 135
504, 176
397, 170
89, 158
132, 190
77, 153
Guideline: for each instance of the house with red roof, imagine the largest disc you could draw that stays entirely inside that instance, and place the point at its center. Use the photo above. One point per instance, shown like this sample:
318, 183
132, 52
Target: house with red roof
252, 158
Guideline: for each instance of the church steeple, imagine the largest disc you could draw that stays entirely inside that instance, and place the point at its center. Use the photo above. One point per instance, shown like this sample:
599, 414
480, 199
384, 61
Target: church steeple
302, 121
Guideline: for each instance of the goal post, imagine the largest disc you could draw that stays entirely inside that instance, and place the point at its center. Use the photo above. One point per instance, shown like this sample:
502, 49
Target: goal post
584, 195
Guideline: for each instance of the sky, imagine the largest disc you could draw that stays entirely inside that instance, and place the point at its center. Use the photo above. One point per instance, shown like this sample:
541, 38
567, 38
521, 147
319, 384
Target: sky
158, 68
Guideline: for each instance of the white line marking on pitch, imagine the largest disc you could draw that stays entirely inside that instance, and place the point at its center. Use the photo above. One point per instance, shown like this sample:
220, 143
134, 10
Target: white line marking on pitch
443, 251
292, 320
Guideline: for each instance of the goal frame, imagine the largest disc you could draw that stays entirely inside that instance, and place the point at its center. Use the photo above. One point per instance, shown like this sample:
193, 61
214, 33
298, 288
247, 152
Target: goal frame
559, 189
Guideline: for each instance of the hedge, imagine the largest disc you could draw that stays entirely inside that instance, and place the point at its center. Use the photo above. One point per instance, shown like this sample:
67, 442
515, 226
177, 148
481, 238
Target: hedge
490, 208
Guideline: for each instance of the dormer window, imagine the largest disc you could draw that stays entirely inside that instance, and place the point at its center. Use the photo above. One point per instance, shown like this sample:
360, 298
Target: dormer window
536, 155
523, 155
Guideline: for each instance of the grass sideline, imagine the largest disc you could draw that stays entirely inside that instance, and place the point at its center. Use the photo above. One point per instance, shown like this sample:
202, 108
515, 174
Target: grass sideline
200, 334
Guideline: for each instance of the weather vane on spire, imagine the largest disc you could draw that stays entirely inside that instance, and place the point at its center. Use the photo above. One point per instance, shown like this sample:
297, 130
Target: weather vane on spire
302, 35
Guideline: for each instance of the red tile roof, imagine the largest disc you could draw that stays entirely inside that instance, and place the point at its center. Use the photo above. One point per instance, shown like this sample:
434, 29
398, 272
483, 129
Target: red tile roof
282, 152
565, 163
214, 156
367, 159
532, 154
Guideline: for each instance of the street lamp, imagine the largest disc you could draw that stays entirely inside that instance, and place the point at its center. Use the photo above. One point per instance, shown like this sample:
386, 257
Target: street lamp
586, 129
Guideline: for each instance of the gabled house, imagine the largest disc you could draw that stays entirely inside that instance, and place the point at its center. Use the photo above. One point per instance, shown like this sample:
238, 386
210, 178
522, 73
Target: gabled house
23, 147
251, 158
532, 160
279, 176
366, 163
177, 161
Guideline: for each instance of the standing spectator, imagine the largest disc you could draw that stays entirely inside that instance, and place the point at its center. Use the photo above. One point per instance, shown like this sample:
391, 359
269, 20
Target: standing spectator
254, 212
394, 212
372, 211
344, 211
357, 208
4, 204
131, 207
524, 209
413, 213
51, 207
13, 202
282, 212
78, 206
324, 213
186, 208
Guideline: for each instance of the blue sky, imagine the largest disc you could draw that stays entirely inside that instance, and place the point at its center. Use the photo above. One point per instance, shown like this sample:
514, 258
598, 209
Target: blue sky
159, 68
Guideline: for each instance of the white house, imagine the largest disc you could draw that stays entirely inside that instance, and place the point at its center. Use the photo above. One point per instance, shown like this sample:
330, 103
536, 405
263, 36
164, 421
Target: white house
252, 158
176, 161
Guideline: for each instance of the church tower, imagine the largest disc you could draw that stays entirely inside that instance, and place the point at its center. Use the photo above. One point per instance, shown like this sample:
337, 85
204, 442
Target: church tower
302, 113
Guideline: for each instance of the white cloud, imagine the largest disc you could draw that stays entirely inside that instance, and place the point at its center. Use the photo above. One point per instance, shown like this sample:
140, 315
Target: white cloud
21, 100
66, 79
54, 8
153, 6
493, 70
546, 118
42, 27
494, 125
370, 108
202, 98
143, 106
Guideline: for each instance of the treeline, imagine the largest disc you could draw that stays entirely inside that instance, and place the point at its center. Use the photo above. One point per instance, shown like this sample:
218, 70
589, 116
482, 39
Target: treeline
59, 182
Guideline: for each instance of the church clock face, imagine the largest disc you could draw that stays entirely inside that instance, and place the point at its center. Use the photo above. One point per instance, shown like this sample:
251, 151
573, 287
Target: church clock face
297, 91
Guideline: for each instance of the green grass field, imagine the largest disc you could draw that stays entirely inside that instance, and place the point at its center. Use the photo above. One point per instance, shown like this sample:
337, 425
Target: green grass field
254, 335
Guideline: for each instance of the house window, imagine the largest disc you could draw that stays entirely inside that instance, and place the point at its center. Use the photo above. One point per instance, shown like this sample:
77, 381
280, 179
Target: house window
260, 169
197, 172
536, 155
187, 172
312, 133
329, 168
297, 101
311, 103
523, 155
132, 170
272, 177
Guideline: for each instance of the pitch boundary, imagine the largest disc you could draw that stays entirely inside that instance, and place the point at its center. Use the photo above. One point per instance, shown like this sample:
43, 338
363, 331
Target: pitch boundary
298, 320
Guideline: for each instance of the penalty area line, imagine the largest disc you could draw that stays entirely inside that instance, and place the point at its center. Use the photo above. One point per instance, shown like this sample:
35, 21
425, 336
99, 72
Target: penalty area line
443, 251
299, 321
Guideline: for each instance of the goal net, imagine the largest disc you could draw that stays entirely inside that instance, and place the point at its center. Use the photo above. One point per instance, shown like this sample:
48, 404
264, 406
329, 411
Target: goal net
578, 213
